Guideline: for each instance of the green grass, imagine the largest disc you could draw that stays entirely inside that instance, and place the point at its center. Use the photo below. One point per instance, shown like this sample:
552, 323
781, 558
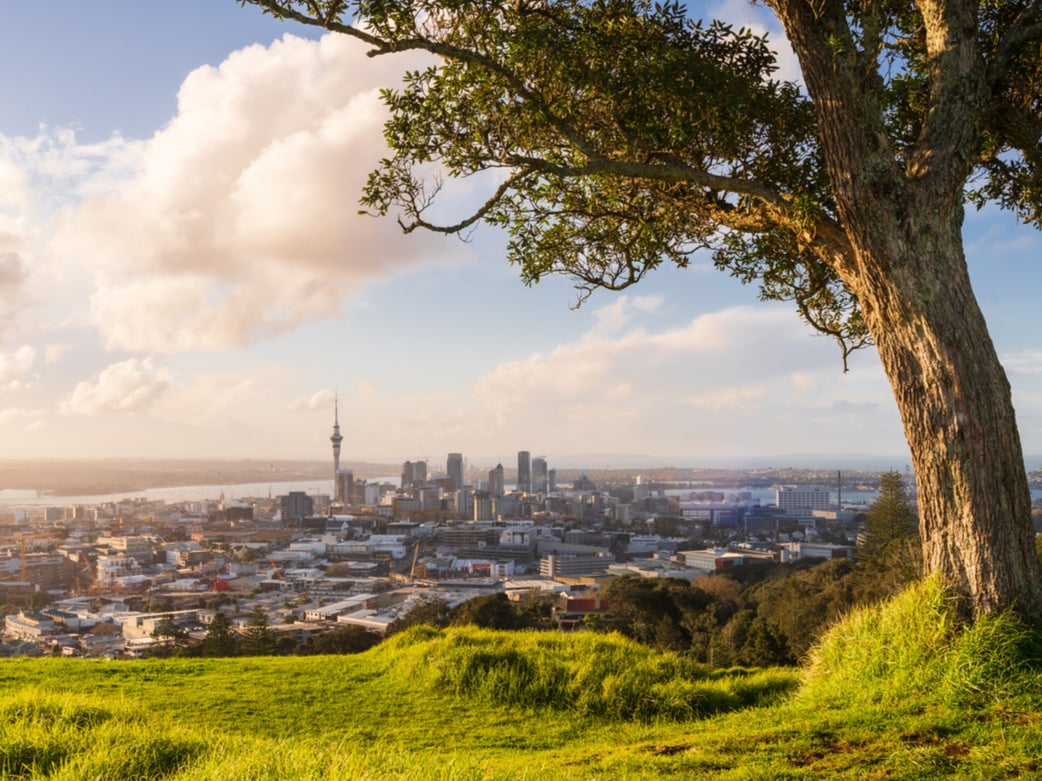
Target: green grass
895, 692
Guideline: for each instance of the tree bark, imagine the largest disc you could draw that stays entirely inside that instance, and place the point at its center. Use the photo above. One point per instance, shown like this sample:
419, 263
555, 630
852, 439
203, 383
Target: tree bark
902, 213
956, 407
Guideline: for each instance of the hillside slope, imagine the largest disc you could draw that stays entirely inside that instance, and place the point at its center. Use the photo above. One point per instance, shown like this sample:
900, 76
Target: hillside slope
894, 692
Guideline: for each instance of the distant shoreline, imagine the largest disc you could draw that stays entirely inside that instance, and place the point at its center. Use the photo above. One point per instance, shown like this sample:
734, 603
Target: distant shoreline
60, 478
78, 477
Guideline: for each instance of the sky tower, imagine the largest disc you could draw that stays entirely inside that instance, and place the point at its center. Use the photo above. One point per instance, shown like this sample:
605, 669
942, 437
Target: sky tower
336, 439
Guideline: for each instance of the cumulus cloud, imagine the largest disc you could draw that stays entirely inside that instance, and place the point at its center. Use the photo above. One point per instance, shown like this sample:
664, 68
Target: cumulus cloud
239, 219
126, 386
16, 368
214, 399
1023, 362
622, 310
14, 234
760, 20
320, 400
53, 353
719, 381
12, 271
27, 419
736, 398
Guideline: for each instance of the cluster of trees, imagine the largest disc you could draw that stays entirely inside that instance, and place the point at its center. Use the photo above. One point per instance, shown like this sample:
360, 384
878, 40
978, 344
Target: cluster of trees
256, 639
492, 611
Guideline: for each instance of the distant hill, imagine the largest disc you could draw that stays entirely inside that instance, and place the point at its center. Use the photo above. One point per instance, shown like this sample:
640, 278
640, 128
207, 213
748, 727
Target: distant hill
70, 477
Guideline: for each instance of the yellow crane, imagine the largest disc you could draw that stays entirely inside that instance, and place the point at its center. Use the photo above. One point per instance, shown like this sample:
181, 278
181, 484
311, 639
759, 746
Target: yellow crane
21, 550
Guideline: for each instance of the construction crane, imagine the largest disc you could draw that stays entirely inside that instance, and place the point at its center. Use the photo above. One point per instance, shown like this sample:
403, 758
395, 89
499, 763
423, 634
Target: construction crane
415, 556
275, 569
21, 550
84, 574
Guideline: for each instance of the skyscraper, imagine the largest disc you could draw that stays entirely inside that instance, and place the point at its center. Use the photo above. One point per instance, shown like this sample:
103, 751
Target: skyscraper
540, 476
495, 480
336, 439
524, 471
345, 486
455, 468
414, 474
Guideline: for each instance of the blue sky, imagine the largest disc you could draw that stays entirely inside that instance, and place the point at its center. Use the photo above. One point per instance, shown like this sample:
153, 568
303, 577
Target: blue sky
183, 273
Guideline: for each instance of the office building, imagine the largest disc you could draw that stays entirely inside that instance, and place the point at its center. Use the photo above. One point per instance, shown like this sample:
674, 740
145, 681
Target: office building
295, 506
802, 497
454, 466
414, 474
495, 480
540, 476
524, 471
345, 486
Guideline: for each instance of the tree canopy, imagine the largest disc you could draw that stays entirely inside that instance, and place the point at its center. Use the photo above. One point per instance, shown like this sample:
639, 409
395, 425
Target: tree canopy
618, 135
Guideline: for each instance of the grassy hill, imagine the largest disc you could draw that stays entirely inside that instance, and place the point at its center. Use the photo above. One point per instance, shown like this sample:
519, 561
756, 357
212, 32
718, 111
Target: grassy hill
898, 691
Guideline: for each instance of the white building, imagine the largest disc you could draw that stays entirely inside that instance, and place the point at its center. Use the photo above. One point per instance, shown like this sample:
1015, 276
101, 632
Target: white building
803, 497
113, 569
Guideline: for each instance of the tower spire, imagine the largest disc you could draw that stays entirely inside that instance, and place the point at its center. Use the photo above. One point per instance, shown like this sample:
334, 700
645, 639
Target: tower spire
336, 439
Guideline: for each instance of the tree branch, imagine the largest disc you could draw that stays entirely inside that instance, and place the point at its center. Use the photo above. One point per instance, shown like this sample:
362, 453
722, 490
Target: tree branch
448, 51
479, 214
1027, 27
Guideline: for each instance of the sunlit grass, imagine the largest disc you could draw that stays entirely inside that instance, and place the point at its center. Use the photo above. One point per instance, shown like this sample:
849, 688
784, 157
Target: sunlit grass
896, 691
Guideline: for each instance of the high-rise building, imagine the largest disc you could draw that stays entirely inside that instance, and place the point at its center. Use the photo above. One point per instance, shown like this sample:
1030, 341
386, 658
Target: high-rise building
553, 480
414, 474
345, 486
482, 506
803, 497
295, 507
540, 475
336, 439
454, 466
524, 471
495, 480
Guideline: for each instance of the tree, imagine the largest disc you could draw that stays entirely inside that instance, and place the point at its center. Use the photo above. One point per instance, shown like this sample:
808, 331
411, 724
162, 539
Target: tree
491, 611
168, 635
257, 637
220, 640
890, 554
799, 605
342, 640
891, 517
432, 612
617, 135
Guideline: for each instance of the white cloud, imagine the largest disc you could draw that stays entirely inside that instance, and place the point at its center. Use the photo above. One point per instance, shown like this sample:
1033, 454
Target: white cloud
1023, 362
126, 386
240, 218
12, 271
735, 398
53, 353
759, 20
739, 381
18, 414
622, 310
16, 368
319, 400
212, 400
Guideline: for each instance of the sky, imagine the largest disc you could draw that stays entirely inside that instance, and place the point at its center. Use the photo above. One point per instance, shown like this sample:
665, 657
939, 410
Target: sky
184, 273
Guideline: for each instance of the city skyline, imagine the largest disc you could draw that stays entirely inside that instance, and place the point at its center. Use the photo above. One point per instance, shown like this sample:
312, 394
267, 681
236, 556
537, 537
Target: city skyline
183, 272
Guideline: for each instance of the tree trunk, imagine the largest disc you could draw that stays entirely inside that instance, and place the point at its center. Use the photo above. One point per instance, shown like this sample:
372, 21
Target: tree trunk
957, 410
901, 210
